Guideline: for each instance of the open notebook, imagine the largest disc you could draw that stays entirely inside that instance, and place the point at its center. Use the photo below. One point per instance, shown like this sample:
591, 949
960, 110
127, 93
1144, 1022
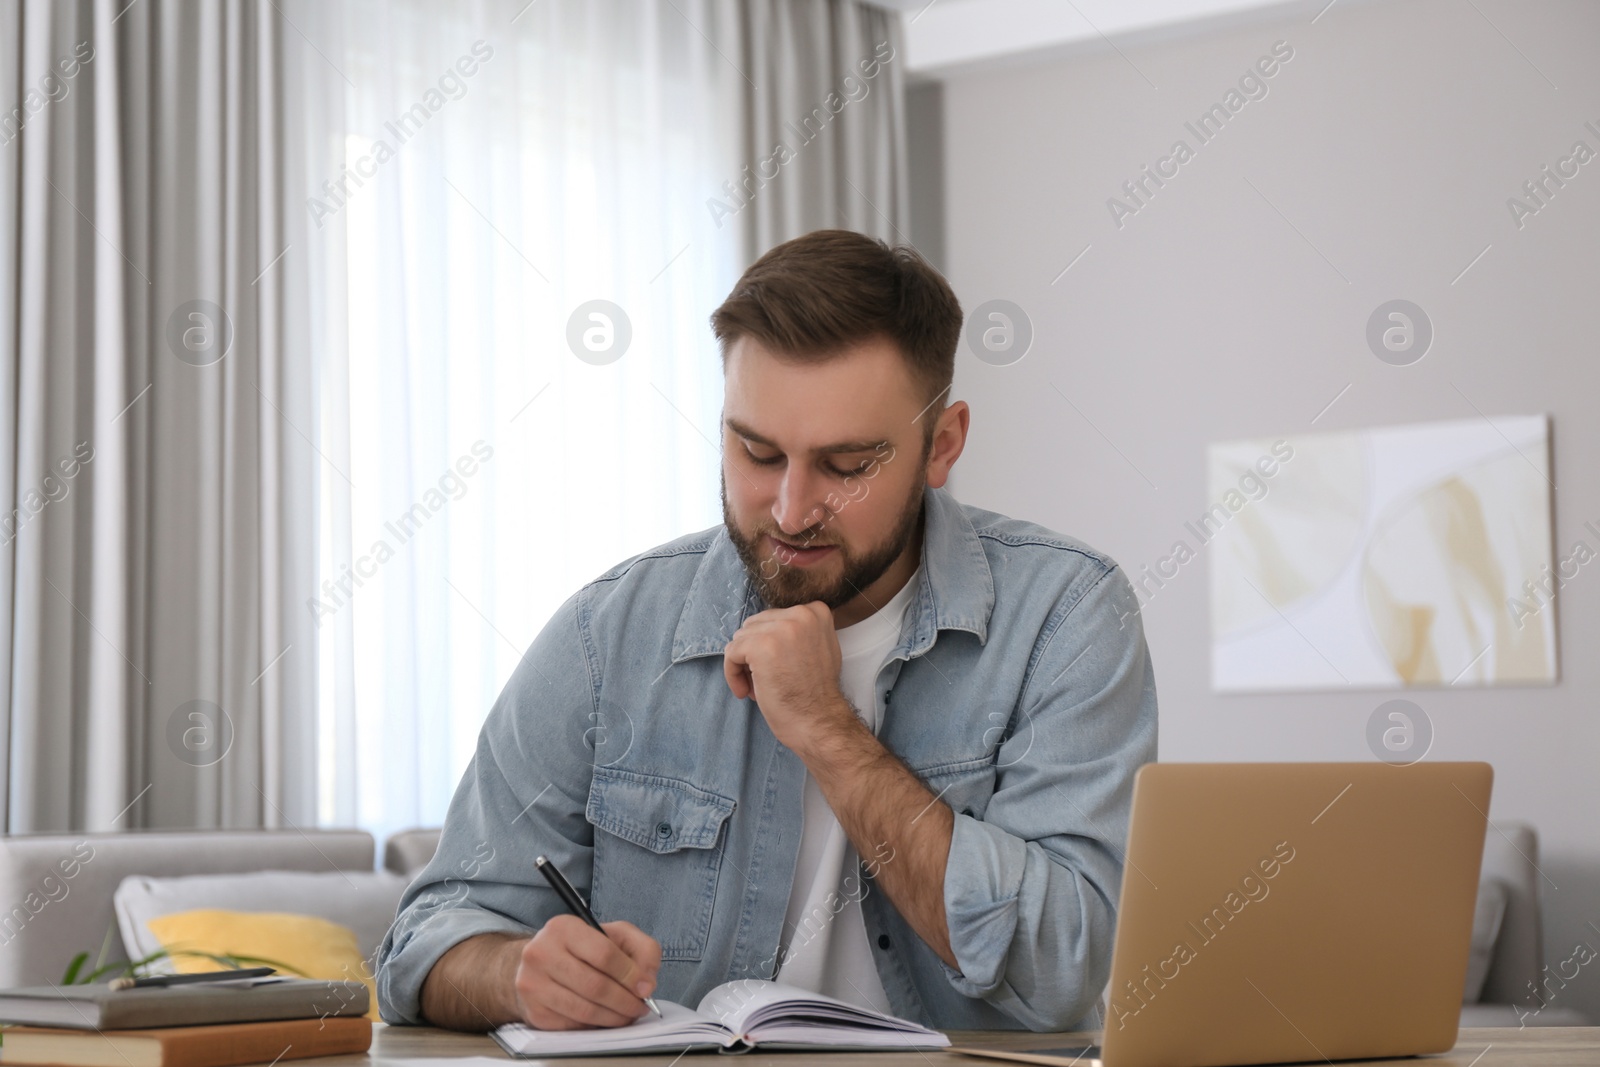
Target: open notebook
733, 1017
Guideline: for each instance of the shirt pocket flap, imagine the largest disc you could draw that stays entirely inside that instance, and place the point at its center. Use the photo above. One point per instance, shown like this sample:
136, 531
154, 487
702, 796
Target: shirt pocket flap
657, 813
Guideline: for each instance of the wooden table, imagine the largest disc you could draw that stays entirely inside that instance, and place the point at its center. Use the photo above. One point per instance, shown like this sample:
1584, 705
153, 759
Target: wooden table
1533, 1047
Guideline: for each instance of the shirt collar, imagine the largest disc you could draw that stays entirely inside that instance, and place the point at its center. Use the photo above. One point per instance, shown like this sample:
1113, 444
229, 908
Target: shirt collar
956, 588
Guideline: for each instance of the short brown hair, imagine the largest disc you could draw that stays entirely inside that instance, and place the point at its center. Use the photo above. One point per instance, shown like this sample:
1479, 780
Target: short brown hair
811, 296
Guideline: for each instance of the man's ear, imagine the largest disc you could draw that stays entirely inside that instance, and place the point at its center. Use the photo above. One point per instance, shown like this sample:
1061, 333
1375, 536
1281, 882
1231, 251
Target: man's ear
949, 438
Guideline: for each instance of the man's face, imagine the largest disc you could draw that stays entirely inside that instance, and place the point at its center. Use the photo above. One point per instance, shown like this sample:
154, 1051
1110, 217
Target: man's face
823, 469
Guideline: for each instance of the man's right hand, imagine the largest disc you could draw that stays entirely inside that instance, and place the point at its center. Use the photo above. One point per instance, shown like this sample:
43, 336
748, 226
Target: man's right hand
570, 976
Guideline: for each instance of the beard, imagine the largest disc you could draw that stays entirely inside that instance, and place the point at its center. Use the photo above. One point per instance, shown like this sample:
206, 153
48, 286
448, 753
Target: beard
784, 586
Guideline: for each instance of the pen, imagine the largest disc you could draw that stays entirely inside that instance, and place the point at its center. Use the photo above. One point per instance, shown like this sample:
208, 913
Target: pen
569, 896
184, 979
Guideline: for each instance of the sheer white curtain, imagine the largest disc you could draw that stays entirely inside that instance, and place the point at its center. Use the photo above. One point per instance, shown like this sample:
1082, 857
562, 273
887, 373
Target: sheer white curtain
490, 169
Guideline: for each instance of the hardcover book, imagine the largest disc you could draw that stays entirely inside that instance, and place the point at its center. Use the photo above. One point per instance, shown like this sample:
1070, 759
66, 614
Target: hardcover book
218, 1045
97, 1006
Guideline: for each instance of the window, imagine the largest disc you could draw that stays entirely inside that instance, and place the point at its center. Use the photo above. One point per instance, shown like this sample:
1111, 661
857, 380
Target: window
491, 172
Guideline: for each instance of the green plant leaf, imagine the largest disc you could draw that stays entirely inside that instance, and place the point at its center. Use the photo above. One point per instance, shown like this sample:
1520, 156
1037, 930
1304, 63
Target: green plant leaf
74, 967
236, 962
140, 968
121, 968
105, 944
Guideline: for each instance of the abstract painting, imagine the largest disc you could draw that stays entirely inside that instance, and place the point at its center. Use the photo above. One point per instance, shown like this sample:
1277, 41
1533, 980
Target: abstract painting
1383, 558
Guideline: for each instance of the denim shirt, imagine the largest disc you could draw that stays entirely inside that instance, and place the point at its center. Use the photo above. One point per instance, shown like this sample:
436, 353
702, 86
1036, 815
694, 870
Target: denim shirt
1021, 693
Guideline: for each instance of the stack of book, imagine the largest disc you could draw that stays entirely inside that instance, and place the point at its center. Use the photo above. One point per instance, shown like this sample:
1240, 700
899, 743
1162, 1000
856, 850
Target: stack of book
184, 1024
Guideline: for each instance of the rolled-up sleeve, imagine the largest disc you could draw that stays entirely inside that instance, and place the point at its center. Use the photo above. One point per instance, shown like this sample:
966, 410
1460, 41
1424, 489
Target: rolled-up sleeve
1031, 887
523, 795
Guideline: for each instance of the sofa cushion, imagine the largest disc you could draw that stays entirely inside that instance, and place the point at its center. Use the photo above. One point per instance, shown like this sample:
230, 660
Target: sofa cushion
302, 944
77, 875
1486, 920
408, 851
364, 901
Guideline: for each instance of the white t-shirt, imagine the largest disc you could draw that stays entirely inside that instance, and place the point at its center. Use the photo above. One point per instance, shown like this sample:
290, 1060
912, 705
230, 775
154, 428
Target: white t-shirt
824, 941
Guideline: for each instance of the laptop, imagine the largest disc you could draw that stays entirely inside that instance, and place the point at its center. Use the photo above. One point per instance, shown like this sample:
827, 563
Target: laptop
1289, 912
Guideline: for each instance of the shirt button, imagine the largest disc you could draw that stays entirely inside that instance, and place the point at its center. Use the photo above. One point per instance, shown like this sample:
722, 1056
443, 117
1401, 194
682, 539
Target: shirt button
664, 830
883, 941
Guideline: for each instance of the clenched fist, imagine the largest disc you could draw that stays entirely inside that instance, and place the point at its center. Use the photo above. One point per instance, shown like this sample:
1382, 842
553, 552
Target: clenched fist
788, 659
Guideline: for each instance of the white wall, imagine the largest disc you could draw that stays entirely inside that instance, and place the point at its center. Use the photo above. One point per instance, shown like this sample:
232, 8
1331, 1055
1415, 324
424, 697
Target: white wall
1381, 161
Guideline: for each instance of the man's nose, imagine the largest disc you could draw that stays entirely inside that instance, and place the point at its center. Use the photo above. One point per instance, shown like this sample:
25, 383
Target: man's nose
799, 506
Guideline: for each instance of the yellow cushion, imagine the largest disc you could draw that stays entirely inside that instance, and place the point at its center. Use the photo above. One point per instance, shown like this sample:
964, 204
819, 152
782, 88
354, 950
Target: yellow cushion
316, 948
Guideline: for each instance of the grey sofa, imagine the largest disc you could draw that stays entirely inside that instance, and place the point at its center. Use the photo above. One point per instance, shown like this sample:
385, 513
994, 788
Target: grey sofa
52, 915
408, 851
1516, 968
56, 889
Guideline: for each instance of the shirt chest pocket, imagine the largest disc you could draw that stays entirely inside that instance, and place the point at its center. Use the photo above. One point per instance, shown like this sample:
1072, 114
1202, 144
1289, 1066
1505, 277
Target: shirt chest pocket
657, 851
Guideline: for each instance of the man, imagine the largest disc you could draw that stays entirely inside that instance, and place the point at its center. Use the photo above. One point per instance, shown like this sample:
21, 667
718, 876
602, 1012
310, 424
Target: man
860, 738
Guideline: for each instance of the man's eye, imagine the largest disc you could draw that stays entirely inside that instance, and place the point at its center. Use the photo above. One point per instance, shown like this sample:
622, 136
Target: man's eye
859, 469
762, 461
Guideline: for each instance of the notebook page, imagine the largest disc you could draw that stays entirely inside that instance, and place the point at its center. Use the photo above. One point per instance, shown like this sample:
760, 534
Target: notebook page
761, 1010
678, 1028
780, 1035
733, 1003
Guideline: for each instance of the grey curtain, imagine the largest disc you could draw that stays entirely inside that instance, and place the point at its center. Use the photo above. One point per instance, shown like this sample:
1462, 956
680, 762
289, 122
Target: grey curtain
825, 132
157, 472
159, 311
